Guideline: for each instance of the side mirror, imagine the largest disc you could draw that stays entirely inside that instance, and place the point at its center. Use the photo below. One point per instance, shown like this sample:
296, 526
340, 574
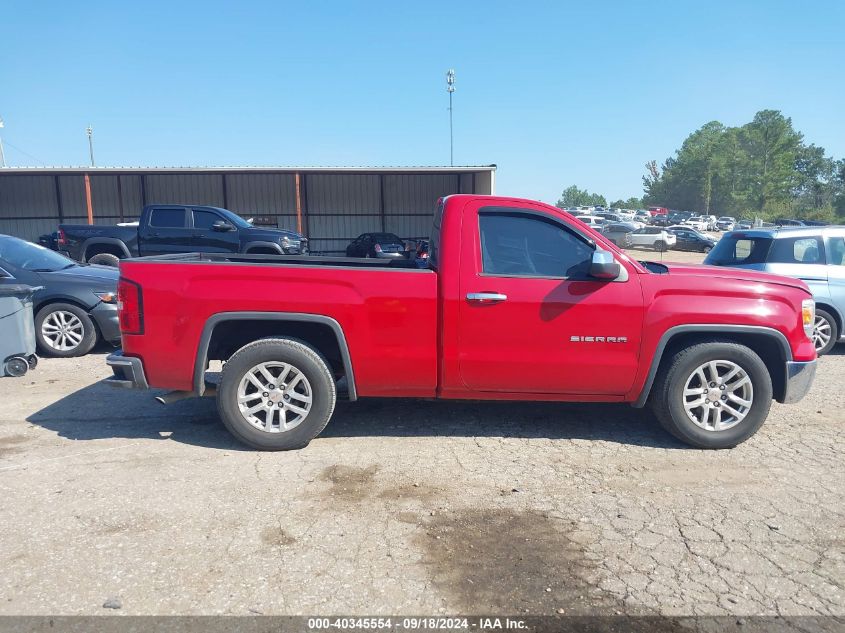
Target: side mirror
604, 266
222, 226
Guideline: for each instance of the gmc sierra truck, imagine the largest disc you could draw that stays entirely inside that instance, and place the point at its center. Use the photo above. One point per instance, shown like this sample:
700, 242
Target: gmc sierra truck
520, 301
166, 229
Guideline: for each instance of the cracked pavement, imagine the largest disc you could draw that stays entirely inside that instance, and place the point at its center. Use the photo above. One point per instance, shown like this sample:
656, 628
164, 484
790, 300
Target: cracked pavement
412, 507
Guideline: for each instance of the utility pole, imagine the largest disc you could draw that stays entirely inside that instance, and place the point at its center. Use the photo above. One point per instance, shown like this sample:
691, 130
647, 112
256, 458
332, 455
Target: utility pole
90, 132
450, 88
2, 155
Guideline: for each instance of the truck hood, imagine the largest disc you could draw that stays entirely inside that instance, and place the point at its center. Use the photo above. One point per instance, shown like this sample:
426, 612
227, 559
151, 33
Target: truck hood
272, 234
741, 274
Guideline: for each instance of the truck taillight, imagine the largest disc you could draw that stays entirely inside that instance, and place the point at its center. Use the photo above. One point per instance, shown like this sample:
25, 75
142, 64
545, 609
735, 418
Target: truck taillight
61, 241
130, 307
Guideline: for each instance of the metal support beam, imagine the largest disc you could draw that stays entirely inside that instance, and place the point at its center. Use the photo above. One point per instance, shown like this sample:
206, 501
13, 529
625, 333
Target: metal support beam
88, 203
298, 203
381, 201
59, 207
225, 191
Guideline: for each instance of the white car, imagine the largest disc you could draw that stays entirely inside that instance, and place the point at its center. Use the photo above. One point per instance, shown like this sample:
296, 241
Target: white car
726, 223
653, 237
591, 220
697, 222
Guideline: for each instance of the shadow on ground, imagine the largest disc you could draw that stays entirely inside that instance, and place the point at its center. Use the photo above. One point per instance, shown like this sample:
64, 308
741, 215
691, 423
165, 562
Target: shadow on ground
100, 411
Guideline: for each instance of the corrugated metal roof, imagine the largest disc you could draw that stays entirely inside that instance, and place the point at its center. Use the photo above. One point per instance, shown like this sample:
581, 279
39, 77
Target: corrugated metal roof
411, 169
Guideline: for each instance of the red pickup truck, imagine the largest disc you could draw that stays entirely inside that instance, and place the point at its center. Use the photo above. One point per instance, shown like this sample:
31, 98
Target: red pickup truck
520, 301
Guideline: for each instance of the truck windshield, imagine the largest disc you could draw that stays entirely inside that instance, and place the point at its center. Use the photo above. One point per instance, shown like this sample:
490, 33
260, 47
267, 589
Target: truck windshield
235, 219
32, 257
740, 249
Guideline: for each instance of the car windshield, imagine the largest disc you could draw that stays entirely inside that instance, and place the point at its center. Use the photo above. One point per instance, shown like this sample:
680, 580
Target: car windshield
32, 257
740, 249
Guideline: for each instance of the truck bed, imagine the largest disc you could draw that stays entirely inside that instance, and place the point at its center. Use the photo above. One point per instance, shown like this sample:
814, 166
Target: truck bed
288, 260
386, 310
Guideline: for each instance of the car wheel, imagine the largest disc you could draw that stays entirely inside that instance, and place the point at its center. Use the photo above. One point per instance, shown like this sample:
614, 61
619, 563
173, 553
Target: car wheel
276, 394
713, 395
825, 332
707, 249
64, 330
105, 259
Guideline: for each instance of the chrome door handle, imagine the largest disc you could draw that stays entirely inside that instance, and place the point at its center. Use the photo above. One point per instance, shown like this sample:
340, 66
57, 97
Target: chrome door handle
486, 297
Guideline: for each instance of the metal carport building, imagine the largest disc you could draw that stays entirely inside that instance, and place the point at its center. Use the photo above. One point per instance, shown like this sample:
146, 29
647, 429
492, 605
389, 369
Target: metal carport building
330, 205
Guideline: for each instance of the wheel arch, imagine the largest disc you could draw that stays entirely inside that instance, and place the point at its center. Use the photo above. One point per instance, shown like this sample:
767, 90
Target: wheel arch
769, 344
321, 332
110, 245
253, 246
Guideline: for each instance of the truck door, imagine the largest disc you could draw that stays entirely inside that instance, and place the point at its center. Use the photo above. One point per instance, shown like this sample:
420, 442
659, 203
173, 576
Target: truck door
530, 319
206, 239
165, 231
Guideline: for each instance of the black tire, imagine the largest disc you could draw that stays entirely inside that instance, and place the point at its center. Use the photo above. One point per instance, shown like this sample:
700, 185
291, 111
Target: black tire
667, 400
105, 259
821, 317
706, 249
88, 334
304, 359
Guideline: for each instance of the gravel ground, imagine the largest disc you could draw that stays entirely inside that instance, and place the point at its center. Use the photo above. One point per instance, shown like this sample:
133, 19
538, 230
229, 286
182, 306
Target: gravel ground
412, 507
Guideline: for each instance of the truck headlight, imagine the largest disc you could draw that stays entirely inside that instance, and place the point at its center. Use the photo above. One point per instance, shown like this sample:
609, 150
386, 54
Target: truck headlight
808, 316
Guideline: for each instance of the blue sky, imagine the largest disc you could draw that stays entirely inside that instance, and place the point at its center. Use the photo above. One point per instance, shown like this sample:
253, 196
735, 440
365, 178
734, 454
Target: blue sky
555, 93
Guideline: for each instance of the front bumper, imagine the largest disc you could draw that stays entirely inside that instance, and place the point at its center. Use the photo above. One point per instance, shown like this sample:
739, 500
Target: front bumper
799, 379
105, 315
128, 372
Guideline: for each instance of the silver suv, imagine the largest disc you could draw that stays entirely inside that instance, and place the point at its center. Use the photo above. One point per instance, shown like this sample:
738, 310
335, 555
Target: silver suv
814, 254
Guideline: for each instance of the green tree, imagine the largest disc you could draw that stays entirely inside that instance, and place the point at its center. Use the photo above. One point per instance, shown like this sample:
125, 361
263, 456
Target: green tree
572, 196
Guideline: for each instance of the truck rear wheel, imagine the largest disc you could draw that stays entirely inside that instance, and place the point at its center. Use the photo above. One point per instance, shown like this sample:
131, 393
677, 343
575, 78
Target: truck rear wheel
276, 394
713, 395
105, 259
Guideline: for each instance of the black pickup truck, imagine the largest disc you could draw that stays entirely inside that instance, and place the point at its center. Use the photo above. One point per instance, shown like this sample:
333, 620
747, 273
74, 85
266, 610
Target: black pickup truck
166, 229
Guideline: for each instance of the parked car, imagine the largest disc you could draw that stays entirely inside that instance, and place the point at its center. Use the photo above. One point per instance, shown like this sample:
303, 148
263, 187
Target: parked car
816, 255
661, 220
77, 304
591, 220
619, 233
688, 239
643, 216
788, 222
608, 216
657, 211
653, 237
166, 229
744, 223
712, 222
512, 284
383, 245
725, 223
697, 222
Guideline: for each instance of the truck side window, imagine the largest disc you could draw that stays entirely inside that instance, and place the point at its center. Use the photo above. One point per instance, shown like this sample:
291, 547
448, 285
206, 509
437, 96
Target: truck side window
517, 244
168, 218
204, 219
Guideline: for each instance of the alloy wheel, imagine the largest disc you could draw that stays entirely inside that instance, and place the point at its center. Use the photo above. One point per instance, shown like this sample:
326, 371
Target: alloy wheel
274, 397
63, 331
718, 395
821, 332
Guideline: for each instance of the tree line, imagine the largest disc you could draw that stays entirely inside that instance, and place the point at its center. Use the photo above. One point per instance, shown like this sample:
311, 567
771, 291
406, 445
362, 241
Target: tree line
760, 169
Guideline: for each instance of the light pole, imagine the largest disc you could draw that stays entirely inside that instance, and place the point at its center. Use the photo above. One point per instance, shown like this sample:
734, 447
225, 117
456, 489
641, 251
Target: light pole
90, 132
450, 88
2, 155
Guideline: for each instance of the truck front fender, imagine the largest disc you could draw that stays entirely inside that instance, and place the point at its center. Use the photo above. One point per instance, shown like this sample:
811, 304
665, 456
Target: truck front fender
271, 245
772, 336
288, 317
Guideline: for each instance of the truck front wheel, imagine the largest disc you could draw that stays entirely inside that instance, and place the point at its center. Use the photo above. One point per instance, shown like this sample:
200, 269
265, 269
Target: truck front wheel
713, 395
276, 394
